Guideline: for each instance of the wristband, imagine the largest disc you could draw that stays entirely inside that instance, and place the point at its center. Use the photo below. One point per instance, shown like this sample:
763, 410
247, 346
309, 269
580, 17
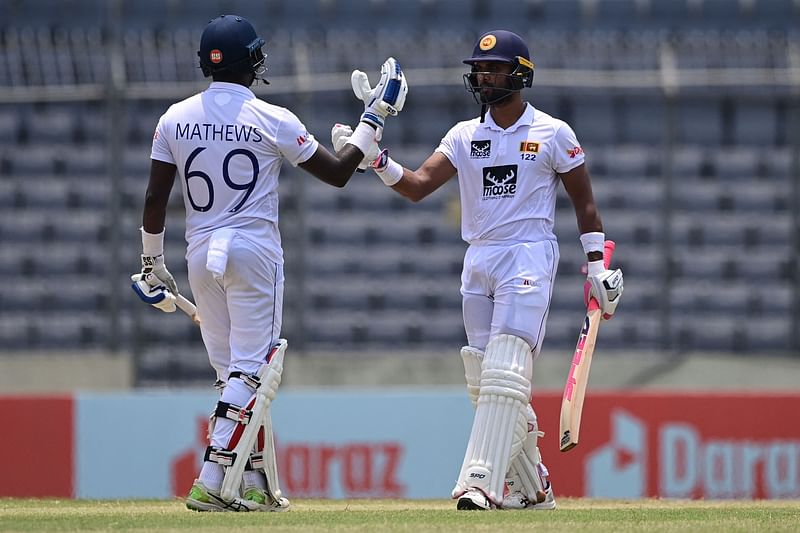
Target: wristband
390, 172
363, 136
152, 243
593, 241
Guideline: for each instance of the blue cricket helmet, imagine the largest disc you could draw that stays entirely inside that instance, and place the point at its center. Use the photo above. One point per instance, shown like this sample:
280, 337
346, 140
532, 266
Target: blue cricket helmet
504, 46
230, 43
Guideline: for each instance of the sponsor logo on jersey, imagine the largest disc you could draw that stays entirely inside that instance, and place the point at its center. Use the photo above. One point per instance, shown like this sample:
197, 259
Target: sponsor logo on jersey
302, 139
480, 149
530, 147
215, 56
500, 182
574, 152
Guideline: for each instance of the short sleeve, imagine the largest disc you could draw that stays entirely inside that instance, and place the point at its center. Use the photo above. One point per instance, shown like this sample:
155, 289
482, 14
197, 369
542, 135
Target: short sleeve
160, 150
568, 153
448, 146
294, 141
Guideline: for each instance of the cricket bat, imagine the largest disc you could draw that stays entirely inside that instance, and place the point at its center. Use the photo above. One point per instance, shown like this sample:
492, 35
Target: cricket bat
578, 378
187, 307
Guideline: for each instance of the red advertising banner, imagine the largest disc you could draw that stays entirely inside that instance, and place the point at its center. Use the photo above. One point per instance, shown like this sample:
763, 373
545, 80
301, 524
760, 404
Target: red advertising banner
677, 445
632, 445
37, 445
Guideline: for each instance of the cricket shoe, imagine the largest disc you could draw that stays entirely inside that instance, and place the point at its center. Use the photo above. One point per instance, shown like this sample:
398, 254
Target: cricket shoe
517, 500
201, 498
474, 500
264, 501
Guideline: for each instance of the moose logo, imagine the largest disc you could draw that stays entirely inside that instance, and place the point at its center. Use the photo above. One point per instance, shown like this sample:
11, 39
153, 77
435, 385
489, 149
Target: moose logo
500, 182
480, 149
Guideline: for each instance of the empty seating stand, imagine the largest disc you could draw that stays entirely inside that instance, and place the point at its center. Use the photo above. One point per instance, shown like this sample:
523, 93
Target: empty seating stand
366, 268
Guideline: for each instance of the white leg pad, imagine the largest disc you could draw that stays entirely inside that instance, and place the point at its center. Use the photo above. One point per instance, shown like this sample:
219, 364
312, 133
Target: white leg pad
527, 472
271, 463
473, 359
269, 376
505, 389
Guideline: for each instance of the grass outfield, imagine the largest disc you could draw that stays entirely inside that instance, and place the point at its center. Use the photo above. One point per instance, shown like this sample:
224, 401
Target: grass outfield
403, 515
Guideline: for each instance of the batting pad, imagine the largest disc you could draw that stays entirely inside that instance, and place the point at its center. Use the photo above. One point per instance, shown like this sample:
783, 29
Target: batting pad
527, 464
269, 376
505, 389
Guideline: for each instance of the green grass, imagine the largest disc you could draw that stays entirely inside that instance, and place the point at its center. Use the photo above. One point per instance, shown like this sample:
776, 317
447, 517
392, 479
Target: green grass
403, 515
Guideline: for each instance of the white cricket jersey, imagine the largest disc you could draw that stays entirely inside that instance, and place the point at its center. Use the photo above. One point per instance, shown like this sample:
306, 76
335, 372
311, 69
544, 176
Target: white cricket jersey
508, 178
229, 146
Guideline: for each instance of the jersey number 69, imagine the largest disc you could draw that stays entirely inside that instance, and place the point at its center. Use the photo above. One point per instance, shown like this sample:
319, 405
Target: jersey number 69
249, 186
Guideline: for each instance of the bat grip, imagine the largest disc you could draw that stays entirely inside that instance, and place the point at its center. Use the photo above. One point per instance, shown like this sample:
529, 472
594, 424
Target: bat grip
608, 252
187, 307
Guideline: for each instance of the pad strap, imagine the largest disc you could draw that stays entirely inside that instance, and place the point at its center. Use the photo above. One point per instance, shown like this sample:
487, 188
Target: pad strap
240, 415
220, 456
250, 380
256, 462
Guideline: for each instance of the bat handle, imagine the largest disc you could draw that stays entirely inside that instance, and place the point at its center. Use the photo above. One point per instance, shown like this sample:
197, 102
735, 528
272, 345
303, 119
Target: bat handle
608, 252
187, 307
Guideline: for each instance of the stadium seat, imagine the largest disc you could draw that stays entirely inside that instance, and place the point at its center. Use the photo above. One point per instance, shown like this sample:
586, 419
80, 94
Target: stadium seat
700, 123
736, 163
698, 332
632, 162
15, 328
755, 124
767, 334
594, 120
10, 123
642, 120
32, 160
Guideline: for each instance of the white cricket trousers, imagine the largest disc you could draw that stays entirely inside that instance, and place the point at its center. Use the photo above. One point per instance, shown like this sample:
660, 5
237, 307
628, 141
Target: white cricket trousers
507, 288
241, 312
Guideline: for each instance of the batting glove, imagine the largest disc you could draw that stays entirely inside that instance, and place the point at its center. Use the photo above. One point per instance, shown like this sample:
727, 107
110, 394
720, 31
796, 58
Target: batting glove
605, 286
340, 135
156, 295
386, 98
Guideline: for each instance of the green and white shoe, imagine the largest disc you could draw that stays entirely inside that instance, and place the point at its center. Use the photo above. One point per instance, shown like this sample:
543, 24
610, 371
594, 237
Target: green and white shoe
201, 498
264, 501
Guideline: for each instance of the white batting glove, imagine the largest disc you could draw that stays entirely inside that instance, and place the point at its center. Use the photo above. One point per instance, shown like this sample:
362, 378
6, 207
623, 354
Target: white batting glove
341, 133
386, 98
156, 273
605, 286
156, 295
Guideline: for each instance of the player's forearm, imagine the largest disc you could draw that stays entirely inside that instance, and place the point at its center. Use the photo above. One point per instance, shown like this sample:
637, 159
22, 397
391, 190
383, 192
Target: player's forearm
154, 214
348, 160
410, 186
588, 218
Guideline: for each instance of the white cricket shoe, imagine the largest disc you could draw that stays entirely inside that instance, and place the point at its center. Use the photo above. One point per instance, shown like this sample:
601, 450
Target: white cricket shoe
474, 500
517, 500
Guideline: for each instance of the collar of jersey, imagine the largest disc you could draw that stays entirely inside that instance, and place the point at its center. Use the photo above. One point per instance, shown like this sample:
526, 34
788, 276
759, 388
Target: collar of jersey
525, 120
225, 86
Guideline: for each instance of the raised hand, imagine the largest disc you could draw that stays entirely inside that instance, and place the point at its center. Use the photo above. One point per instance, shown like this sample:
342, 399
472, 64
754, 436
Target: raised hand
386, 98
